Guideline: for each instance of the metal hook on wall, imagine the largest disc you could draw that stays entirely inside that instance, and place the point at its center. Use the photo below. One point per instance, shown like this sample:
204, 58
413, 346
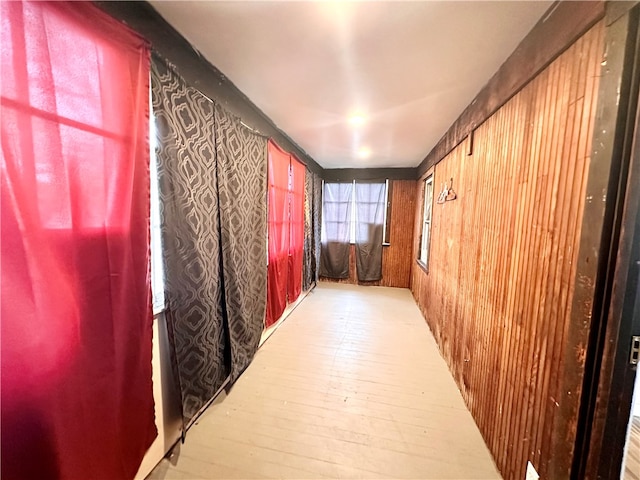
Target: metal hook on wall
451, 193
447, 194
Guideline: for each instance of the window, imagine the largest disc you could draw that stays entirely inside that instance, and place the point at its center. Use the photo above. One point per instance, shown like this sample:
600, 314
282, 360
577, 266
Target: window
387, 212
337, 208
426, 220
369, 212
386, 220
339, 221
352, 226
157, 272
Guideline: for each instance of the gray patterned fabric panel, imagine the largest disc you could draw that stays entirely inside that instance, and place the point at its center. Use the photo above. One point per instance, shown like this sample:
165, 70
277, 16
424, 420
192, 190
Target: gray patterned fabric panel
308, 261
317, 222
242, 185
190, 221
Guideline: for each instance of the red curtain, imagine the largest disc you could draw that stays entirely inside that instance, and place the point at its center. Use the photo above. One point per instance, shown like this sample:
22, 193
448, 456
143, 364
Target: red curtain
76, 330
286, 231
296, 242
278, 233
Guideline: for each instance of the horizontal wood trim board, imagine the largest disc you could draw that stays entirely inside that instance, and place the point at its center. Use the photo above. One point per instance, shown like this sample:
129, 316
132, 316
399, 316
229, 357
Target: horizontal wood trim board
559, 28
199, 73
350, 174
396, 257
502, 262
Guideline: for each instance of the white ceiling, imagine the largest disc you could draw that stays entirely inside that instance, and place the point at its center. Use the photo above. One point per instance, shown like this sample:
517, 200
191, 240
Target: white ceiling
409, 68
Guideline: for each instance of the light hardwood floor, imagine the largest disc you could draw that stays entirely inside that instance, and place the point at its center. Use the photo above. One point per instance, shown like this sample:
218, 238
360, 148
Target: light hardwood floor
632, 460
350, 386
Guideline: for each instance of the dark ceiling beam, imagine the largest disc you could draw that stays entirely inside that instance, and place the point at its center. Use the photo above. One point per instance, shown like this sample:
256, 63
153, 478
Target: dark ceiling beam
558, 29
199, 72
350, 174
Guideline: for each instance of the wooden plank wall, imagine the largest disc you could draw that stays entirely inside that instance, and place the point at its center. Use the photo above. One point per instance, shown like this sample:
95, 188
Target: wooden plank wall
497, 294
396, 258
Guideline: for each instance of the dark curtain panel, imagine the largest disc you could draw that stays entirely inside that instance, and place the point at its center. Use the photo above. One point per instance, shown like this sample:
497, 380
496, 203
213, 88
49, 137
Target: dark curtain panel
317, 224
76, 330
309, 267
190, 224
336, 226
242, 183
369, 220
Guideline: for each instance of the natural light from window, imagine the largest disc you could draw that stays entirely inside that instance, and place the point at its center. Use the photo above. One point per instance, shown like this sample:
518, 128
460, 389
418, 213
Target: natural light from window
426, 220
157, 272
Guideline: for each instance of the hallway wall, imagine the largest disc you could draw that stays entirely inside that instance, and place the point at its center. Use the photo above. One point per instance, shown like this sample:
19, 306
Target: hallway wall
501, 273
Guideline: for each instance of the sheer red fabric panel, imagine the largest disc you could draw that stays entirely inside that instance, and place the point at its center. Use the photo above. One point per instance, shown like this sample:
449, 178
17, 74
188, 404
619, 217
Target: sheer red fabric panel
77, 397
278, 232
296, 243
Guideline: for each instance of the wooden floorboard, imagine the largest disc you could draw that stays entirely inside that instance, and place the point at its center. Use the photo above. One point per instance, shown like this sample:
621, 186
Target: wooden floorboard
632, 460
352, 385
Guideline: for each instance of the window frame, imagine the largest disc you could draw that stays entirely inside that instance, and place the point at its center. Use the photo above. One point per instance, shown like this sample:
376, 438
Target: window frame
386, 231
427, 220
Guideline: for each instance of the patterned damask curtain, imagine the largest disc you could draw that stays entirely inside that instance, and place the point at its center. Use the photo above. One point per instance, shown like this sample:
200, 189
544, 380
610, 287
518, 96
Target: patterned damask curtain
242, 183
309, 265
312, 211
317, 223
190, 222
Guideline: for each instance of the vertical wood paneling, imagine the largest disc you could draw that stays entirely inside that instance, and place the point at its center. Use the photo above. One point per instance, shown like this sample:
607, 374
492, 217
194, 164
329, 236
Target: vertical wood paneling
501, 270
396, 257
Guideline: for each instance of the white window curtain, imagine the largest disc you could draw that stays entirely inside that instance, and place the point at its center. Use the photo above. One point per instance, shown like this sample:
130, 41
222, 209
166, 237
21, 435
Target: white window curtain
369, 229
336, 223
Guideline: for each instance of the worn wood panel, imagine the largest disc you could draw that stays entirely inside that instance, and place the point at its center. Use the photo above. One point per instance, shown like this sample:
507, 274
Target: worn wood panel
612, 387
497, 293
396, 257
